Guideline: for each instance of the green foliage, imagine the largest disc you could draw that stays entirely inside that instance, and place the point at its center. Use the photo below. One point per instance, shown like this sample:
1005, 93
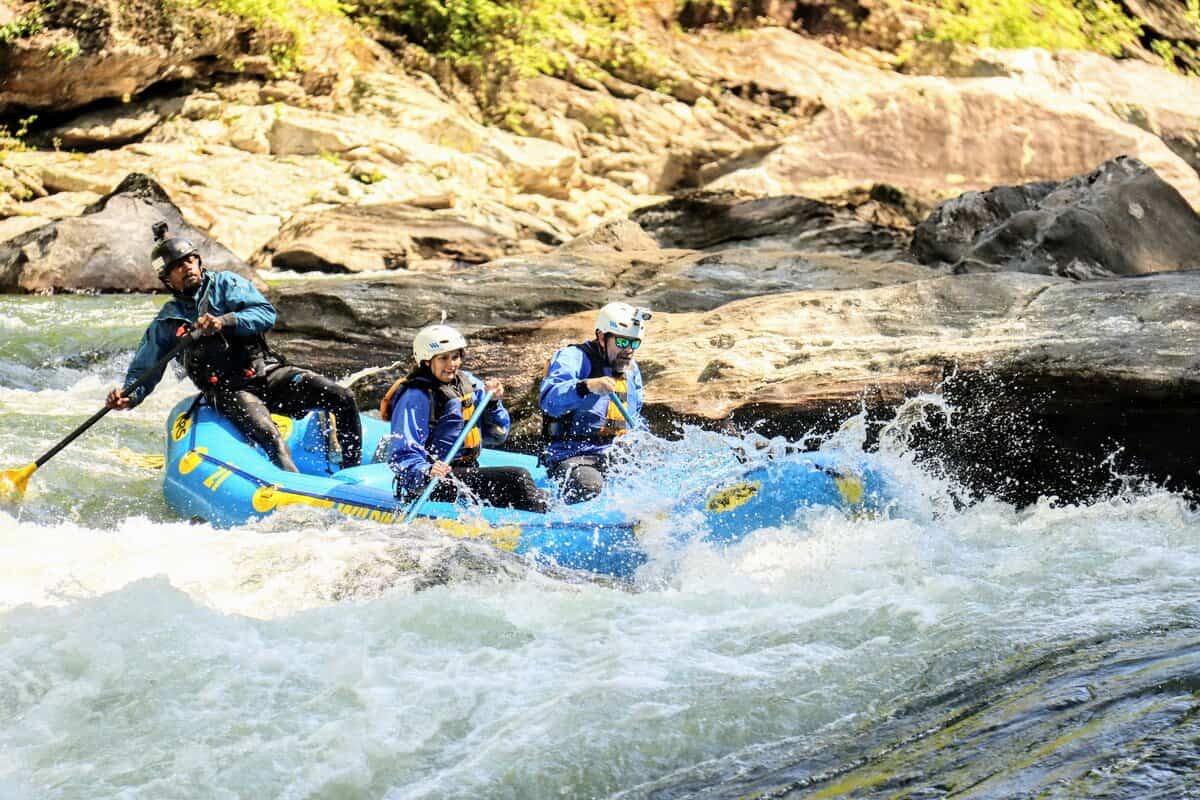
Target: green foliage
22, 27
1177, 56
512, 115
527, 37
1164, 51
16, 192
282, 15
278, 12
13, 140
374, 176
66, 50
1097, 25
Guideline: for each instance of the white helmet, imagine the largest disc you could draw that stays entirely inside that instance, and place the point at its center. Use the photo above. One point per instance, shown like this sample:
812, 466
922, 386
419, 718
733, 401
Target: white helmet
622, 319
434, 339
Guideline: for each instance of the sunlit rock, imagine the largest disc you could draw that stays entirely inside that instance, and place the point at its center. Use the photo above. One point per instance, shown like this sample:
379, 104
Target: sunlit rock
1119, 219
107, 247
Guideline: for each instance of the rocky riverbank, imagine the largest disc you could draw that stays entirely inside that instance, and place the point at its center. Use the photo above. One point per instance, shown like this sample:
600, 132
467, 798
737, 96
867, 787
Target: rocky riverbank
816, 231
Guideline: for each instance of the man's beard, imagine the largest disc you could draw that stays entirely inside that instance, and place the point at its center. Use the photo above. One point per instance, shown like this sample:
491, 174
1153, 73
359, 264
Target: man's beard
190, 286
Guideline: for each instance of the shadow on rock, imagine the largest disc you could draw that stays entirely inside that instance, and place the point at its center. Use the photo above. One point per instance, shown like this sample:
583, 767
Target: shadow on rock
106, 248
1120, 219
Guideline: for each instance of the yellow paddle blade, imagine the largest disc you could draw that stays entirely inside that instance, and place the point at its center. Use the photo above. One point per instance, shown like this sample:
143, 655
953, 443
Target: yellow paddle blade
850, 488
14, 482
146, 460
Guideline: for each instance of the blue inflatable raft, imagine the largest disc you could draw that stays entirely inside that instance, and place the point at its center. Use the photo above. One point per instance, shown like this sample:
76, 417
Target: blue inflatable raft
213, 473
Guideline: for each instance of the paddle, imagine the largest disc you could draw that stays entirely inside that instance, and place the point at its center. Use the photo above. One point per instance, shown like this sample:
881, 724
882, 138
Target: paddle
620, 404
14, 482
454, 448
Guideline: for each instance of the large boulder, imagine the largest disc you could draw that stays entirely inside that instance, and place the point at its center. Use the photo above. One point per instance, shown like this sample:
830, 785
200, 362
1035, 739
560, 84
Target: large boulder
950, 231
618, 260
390, 308
382, 236
1162, 102
241, 171
113, 126
74, 53
855, 125
342, 326
704, 281
36, 213
726, 220
1041, 385
71, 53
107, 247
1120, 219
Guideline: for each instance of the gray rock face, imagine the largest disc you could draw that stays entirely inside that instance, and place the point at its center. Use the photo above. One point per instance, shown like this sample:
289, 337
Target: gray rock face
383, 236
617, 261
1048, 377
393, 307
106, 248
723, 220
951, 230
704, 281
1120, 219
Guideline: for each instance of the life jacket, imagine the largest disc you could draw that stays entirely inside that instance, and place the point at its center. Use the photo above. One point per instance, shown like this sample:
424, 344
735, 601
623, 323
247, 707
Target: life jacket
225, 361
440, 394
558, 428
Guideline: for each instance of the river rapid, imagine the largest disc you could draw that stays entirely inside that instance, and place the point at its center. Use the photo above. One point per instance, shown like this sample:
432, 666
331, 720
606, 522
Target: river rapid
940, 649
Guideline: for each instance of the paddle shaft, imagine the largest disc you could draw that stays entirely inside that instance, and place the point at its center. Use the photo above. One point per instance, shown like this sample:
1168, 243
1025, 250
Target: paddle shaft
183, 342
454, 448
620, 404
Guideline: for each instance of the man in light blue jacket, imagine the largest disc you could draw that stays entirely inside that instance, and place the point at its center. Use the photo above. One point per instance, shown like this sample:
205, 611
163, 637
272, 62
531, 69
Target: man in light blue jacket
231, 363
580, 420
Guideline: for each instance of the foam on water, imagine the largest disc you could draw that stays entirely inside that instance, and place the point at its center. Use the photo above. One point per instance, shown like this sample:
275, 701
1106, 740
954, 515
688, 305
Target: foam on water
154, 657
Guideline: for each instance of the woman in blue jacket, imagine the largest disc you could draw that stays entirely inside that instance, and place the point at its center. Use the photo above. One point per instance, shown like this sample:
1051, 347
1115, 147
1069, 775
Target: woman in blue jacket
428, 410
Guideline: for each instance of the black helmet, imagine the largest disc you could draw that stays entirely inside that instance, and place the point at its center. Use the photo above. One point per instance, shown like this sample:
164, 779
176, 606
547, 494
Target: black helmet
169, 252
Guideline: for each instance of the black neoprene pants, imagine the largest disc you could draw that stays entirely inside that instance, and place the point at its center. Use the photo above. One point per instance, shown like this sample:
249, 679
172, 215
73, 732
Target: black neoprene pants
581, 477
502, 487
292, 392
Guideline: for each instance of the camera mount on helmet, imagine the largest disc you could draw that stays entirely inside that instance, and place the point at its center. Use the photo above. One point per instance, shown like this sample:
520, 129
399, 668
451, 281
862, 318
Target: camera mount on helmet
622, 319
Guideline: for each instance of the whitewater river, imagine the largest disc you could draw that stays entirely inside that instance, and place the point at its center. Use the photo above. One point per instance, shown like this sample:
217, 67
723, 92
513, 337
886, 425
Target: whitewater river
937, 650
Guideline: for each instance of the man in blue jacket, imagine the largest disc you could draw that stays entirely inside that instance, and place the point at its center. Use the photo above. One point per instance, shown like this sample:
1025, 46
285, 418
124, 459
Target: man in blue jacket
580, 421
231, 363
